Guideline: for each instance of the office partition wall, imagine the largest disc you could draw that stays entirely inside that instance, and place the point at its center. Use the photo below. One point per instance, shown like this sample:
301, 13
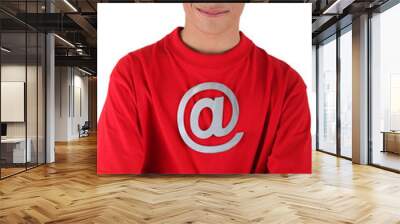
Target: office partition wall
22, 77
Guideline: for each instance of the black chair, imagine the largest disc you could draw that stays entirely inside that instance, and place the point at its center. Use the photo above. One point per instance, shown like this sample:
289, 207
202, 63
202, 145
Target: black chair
84, 130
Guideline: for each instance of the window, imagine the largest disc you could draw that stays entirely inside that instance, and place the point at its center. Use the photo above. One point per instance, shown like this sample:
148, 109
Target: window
346, 75
385, 89
327, 96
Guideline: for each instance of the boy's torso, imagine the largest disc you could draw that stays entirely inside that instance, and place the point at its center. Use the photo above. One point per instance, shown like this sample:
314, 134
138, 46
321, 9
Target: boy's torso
207, 119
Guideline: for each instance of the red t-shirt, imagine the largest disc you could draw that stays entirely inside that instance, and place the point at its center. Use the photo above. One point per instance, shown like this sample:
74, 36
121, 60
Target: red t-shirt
171, 109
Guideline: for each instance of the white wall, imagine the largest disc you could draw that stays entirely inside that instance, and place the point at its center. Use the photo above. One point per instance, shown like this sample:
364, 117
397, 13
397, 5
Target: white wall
69, 82
16, 72
61, 103
81, 84
12, 73
283, 30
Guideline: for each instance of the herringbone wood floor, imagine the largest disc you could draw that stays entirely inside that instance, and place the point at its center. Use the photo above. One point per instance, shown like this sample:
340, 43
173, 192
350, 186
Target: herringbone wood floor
69, 191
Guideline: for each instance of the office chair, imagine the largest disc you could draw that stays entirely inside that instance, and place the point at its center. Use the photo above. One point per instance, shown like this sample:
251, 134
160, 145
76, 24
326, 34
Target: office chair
84, 130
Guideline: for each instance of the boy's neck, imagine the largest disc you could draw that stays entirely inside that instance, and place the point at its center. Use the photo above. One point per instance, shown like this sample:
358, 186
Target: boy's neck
210, 43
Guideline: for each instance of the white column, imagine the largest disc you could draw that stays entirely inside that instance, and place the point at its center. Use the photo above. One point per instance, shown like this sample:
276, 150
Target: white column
50, 92
360, 90
50, 109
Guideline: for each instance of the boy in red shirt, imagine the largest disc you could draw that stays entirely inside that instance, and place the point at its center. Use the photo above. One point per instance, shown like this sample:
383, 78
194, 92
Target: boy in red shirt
204, 99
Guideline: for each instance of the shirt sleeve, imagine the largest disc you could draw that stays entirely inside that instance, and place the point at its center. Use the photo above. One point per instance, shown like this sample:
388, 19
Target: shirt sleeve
120, 149
291, 152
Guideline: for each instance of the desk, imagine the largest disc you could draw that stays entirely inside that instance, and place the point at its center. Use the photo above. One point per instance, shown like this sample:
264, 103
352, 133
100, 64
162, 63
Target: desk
13, 150
391, 141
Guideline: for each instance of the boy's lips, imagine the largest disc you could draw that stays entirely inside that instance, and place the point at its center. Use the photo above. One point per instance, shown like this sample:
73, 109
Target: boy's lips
212, 12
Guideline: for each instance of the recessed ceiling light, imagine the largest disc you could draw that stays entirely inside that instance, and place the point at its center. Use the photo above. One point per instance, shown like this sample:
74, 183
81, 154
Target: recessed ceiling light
338, 6
64, 40
70, 5
84, 71
5, 50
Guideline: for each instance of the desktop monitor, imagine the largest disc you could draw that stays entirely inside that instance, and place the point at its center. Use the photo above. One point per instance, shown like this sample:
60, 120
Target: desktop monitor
3, 129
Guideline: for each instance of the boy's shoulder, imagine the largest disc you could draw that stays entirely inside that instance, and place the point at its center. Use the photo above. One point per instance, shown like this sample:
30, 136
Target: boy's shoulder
280, 67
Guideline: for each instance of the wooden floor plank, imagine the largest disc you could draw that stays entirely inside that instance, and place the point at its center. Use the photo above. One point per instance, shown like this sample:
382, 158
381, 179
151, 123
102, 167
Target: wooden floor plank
69, 191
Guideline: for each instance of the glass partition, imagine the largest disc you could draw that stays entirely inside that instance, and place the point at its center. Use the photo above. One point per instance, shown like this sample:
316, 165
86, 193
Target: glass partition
22, 63
14, 153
